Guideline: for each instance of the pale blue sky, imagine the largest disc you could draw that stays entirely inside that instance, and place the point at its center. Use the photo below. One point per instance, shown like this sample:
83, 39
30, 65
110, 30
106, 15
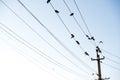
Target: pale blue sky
20, 62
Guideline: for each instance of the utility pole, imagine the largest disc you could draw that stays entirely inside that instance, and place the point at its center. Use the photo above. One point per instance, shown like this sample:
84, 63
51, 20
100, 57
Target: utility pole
98, 62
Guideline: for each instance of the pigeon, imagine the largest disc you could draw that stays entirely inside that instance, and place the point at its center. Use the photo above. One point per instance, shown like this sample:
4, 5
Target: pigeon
48, 1
98, 49
86, 54
78, 42
72, 36
56, 11
100, 42
87, 36
93, 38
71, 14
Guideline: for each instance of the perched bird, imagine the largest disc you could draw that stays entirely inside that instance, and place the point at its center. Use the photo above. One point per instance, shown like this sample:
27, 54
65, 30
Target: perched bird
71, 14
88, 37
86, 54
100, 42
72, 36
78, 42
56, 11
92, 38
48, 1
98, 49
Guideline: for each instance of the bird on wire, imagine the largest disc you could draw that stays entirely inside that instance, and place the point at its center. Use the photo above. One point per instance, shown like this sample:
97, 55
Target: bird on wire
71, 14
72, 36
56, 11
48, 1
78, 42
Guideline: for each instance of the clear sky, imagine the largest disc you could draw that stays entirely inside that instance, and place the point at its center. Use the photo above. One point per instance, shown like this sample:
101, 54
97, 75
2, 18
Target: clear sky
35, 54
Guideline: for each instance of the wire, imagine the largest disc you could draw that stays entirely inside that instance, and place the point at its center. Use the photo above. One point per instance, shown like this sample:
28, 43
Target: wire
76, 22
82, 18
55, 36
72, 14
91, 37
73, 38
74, 17
112, 60
41, 37
28, 58
111, 66
66, 27
61, 19
110, 53
36, 50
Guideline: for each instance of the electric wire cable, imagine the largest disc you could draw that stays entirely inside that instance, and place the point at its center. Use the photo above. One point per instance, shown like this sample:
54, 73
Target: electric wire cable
89, 37
36, 50
28, 58
77, 58
42, 37
67, 28
110, 53
72, 36
112, 60
111, 66
107, 52
61, 20
74, 17
82, 17
70, 32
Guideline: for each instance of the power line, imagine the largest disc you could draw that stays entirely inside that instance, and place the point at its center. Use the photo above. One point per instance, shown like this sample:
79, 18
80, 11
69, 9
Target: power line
89, 37
72, 35
67, 28
74, 17
61, 19
41, 36
26, 56
111, 53
111, 66
36, 50
82, 17
72, 14
55, 37
112, 60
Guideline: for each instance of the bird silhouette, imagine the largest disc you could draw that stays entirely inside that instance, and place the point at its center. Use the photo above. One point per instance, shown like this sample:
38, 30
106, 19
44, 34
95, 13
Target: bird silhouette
78, 42
48, 1
72, 36
98, 49
92, 38
56, 11
71, 14
86, 54
87, 36
100, 42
